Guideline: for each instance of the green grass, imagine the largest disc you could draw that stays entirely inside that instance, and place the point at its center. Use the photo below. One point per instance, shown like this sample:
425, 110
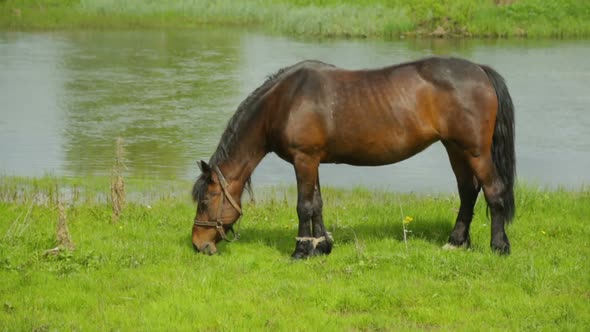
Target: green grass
142, 273
365, 18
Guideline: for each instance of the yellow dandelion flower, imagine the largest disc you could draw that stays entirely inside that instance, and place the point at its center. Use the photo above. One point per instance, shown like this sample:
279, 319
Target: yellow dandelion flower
408, 220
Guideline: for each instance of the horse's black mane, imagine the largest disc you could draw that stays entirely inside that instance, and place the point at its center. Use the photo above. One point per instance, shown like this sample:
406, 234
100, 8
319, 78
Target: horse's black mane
243, 114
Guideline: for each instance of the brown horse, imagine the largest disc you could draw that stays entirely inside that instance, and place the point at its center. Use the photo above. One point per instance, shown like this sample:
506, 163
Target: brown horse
312, 113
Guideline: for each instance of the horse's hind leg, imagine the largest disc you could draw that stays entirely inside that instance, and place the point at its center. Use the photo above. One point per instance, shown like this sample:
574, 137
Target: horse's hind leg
309, 209
494, 189
468, 190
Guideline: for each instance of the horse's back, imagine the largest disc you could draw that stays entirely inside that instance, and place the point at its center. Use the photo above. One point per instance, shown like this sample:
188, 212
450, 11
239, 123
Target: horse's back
381, 116
449, 72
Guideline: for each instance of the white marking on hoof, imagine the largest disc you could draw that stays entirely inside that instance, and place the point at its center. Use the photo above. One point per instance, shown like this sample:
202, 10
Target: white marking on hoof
315, 241
330, 238
449, 246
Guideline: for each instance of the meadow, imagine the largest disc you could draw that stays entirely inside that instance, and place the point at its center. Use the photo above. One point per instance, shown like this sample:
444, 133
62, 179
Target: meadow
141, 272
326, 18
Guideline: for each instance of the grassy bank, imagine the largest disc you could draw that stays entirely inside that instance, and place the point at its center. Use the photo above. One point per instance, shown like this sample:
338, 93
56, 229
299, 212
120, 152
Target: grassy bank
372, 18
142, 274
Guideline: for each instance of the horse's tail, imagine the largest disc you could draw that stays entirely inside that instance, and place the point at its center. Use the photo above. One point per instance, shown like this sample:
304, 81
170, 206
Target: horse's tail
503, 154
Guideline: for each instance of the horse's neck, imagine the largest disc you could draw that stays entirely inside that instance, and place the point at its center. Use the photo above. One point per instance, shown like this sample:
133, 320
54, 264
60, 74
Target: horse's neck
247, 145
244, 157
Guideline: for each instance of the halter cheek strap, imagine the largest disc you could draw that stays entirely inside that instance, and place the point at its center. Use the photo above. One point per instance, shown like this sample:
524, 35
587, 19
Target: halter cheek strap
224, 185
218, 223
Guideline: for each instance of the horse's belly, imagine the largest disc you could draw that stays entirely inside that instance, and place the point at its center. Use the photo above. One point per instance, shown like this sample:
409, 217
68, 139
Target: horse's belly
378, 151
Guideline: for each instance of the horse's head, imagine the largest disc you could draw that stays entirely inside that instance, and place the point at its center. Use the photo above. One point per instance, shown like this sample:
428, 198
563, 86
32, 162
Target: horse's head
217, 210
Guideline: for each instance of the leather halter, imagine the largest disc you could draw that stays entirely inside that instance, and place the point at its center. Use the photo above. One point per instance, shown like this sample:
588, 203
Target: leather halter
218, 223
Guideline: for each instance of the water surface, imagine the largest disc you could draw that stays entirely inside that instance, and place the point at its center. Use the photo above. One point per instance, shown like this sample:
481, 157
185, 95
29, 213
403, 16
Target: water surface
66, 96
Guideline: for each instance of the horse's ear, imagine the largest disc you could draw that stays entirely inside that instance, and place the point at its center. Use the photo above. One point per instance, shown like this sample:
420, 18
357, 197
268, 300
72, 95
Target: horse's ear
204, 167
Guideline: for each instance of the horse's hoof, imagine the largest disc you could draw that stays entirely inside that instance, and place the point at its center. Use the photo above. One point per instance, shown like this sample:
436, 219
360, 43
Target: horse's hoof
500, 245
303, 249
298, 255
324, 247
454, 244
502, 249
310, 246
459, 241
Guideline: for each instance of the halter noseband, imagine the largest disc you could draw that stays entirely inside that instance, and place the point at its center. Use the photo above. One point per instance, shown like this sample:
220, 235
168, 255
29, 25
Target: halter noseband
218, 223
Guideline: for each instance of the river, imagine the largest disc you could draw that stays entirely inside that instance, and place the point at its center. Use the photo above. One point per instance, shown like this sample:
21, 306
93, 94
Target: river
66, 96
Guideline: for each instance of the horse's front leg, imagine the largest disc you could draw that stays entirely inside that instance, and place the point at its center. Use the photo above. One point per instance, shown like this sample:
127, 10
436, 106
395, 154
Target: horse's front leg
309, 210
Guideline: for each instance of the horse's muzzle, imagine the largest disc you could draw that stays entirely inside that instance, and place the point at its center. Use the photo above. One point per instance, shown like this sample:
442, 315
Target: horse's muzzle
208, 249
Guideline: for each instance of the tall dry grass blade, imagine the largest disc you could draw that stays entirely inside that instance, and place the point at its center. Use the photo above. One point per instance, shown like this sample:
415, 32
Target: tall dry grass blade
25, 224
63, 234
18, 227
118, 196
64, 240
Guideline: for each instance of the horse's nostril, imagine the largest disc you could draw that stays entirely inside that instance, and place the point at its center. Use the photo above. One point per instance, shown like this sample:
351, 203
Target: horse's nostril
209, 249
